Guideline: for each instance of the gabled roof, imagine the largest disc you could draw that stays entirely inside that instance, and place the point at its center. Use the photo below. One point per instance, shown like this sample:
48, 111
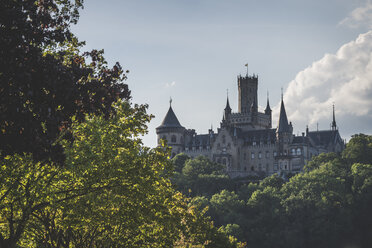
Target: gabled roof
170, 119
324, 137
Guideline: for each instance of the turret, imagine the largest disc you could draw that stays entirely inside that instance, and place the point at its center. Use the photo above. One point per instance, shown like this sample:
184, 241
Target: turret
283, 131
227, 111
268, 109
171, 131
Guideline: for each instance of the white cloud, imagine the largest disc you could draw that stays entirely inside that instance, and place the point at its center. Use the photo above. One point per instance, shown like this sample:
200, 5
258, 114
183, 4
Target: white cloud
168, 85
361, 16
344, 78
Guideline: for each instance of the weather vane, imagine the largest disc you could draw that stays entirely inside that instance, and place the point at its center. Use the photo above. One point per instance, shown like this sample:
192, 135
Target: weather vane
170, 101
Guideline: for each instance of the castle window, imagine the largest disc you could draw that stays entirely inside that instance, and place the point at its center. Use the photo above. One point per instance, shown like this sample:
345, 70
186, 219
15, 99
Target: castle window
173, 139
224, 161
293, 151
267, 154
298, 151
252, 168
259, 155
254, 143
275, 154
252, 155
260, 167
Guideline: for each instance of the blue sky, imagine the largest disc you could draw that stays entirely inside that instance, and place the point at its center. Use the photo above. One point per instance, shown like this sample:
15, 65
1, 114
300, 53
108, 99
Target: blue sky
193, 51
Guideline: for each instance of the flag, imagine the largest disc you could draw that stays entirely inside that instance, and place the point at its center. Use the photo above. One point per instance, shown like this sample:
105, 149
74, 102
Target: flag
246, 65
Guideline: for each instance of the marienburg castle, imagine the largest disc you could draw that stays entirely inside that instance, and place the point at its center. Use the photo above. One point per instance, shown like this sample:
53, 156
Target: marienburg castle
246, 143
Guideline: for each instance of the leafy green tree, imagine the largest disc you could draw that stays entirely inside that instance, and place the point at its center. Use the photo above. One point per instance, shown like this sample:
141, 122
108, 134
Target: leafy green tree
274, 181
226, 207
245, 191
232, 230
362, 191
359, 149
201, 165
179, 161
45, 79
112, 192
322, 158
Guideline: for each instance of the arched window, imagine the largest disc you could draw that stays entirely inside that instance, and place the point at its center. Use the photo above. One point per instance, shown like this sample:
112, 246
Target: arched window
174, 139
224, 161
298, 151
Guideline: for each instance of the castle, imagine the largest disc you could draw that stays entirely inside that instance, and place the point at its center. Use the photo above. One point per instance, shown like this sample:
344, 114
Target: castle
246, 143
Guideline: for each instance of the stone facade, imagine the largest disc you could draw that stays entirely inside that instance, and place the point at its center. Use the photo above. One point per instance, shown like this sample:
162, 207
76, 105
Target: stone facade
246, 143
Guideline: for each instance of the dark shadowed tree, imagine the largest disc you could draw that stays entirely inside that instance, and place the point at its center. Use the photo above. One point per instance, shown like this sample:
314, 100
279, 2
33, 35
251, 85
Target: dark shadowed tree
45, 79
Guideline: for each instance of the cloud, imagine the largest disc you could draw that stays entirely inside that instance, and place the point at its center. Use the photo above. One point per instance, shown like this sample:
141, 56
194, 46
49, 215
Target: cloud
361, 16
168, 85
344, 78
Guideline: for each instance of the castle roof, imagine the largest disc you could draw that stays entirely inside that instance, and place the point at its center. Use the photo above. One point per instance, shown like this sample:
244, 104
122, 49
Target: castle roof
170, 120
324, 137
283, 125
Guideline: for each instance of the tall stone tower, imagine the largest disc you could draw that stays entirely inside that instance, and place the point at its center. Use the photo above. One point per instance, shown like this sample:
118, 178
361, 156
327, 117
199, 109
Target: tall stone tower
247, 88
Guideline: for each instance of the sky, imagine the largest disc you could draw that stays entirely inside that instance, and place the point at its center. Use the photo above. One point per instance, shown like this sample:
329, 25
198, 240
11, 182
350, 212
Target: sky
319, 52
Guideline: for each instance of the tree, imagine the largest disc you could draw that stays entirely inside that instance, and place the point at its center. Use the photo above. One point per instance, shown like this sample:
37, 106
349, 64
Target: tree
45, 79
179, 161
201, 165
112, 192
359, 149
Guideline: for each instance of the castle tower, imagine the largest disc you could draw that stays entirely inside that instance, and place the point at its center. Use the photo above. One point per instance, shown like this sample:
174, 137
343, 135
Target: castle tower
247, 90
268, 110
172, 132
284, 130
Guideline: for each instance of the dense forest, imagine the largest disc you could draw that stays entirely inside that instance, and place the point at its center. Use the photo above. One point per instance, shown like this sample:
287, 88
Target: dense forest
328, 205
74, 171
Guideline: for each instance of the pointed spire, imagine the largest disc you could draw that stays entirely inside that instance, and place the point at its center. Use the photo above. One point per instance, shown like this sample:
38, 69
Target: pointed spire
283, 120
227, 108
334, 126
268, 109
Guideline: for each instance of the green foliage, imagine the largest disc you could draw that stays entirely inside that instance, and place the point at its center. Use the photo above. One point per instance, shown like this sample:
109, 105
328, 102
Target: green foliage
112, 192
328, 205
322, 158
201, 165
359, 149
179, 161
246, 190
274, 181
45, 79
